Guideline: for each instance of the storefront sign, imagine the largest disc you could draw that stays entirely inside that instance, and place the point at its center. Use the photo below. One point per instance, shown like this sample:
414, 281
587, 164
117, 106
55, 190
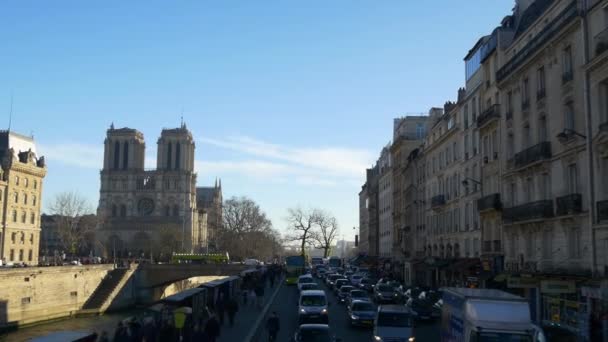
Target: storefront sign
557, 286
487, 265
522, 283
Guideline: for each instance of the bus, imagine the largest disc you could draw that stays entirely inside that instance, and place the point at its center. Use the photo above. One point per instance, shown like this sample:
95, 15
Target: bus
294, 266
314, 261
188, 258
335, 262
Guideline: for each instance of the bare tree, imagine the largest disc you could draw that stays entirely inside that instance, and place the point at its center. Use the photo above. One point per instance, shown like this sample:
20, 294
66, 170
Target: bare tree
246, 231
74, 221
302, 226
327, 232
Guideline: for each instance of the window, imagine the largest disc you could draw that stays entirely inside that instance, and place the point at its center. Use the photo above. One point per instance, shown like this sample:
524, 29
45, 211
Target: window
32, 218
123, 210
34, 200
421, 130
116, 155
510, 146
25, 182
14, 237
21, 255
169, 152
512, 249
603, 98
567, 66
526, 138
547, 244
175, 210
466, 116
16, 180
25, 199
569, 122
486, 148
177, 155
474, 108
525, 93
572, 180
455, 150
14, 215
513, 194
509, 104
530, 245
546, 186
474, 142
12, 255
35, 184
30, 255
494, 145
114, 210
466, 147
574, 243
476, 246
529, 190
467, 247
16, 197
456, 219
23, 217
32, 238
540, 84
542, 128
467, 215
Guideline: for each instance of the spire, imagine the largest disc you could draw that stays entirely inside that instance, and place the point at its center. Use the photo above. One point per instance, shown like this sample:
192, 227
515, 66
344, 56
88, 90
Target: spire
216, 182
220, 183
112, 125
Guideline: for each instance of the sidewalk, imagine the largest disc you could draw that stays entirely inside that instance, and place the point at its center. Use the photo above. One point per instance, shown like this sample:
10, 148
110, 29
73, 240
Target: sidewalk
245, 318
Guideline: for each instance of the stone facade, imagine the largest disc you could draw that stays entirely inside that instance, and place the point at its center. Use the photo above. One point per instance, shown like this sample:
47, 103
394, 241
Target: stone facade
21, 175
148, 212
385, 204
209, 202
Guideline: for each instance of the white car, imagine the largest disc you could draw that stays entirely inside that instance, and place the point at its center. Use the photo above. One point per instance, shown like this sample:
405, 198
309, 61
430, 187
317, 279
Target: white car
304, 279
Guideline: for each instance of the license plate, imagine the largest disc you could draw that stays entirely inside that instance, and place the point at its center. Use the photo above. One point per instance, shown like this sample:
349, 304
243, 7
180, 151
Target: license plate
313, 316
367, 322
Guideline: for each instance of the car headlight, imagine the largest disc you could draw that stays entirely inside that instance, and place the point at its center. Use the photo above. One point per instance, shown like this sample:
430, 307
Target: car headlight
377, 338
302, 311
354, 317
324, 311
411, 339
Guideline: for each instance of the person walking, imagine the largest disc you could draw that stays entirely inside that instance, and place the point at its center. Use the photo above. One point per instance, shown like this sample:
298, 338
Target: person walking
259, 294
232, 307
212, 328
273, 325
220, 307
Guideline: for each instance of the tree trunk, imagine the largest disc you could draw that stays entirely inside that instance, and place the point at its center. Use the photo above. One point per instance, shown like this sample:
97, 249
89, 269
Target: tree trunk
325, 251
303, 252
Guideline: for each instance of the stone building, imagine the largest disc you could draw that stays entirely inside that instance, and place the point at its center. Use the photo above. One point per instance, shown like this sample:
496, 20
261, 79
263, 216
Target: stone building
385, 204
51, 243
209, 202
21, 175
148, 212
369, 220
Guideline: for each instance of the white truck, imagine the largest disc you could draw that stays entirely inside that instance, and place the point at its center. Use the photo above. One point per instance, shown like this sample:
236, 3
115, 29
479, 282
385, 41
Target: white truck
477, 315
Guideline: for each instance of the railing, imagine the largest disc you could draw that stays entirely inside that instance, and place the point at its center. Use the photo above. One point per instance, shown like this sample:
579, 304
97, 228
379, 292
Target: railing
602, 210
567, 77
528, 211
489, 114
438, 200
536, 43
601, 42
489, 202
569, 204
532, 154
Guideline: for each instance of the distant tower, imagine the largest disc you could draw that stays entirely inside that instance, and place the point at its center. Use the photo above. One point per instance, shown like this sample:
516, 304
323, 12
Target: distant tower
175, 150
124, 149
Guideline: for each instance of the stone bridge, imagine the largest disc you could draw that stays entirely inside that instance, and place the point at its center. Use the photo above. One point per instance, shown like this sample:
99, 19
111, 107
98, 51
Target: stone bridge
158, 275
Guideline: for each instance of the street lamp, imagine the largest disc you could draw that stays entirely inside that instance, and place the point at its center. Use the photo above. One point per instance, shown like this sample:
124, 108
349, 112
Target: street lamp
567, 134
465, 182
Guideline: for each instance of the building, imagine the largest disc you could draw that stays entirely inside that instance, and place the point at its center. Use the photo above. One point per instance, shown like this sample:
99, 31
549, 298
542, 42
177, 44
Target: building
363, 247
209, 203
385, 204
369, 220
21, 175
51, 242
408, 133
148, 212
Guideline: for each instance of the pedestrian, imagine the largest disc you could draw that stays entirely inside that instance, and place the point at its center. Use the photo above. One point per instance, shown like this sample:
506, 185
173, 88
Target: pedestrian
252, 296
232, 307
273, 325
220, 307
259, 294
212, 328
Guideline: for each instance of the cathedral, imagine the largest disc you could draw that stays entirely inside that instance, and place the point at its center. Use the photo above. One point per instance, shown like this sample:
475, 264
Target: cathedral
145, 213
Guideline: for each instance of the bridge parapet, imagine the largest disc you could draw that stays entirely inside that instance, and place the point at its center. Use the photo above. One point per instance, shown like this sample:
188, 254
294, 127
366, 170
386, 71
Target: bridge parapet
155, 275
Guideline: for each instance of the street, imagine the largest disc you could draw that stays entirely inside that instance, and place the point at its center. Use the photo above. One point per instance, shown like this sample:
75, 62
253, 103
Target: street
285, 304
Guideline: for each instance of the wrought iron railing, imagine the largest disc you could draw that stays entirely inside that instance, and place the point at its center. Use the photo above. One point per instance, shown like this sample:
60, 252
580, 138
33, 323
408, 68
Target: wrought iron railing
528, 211
493, 112
569, 204
489, 202
438, 200
532, 154
601, 42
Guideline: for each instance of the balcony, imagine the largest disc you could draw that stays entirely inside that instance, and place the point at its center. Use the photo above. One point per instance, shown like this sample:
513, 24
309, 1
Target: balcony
489, 202
491, 113
567, 77
569, 204
528, 211
533, 154
437, 201
601, 42
602, 210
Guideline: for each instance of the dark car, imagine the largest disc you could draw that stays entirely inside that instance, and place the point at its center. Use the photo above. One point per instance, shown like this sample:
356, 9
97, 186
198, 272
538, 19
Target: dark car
366, 284
339, 283
361, 313
423, 308
343, 292
314, 333
384, 293
357, 294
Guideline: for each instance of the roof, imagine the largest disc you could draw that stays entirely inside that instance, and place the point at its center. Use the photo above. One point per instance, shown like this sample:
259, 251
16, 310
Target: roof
314, 326
16, 141
312, 293
178, 297
531, 14
393, 308
206, 194
482, 293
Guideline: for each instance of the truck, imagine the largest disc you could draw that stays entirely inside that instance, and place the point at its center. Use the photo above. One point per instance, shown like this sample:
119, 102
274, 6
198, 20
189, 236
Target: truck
335, 262
476, 315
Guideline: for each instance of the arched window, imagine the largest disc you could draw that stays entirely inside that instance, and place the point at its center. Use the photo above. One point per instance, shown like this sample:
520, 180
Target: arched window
22, 237
35, 184
16, 196
14, 237
175, 210
116, 155
123, 210
125, 156
169, 154
32, 238
32, 218
16, 180
114, 210
178, 153
23, 217
25, 199
34, 200
25, 182
14, 215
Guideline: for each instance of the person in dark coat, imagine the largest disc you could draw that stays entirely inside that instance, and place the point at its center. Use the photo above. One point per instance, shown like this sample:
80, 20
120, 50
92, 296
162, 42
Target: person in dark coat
273, 325
212, 328
232, 307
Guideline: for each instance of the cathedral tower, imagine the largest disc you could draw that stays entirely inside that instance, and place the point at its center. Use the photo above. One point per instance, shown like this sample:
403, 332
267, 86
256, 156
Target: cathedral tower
124, 149
175, 150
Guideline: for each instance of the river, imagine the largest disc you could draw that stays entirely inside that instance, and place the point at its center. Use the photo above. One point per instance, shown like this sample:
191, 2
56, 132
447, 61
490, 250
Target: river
106, 322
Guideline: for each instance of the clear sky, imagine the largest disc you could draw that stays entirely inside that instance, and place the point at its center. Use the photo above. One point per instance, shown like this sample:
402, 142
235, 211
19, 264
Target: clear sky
289, 101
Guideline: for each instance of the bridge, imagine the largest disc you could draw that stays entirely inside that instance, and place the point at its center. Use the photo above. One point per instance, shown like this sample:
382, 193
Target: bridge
157, 275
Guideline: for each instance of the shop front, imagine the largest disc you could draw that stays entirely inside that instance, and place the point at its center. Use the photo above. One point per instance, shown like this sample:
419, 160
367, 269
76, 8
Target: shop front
597, 299
563, 309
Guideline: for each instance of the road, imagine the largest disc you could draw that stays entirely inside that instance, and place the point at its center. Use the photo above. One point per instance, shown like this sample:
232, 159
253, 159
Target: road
285, 304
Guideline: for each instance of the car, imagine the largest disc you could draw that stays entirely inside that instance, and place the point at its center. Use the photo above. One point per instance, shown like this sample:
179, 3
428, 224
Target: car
357, 294
330, 279
356, 279
338, 284
314, 333
422, 307
394, 323
348, 274
304, 279
309, 286
366, 284
312, 307
343, 292
384, 293
361, 313
321, 273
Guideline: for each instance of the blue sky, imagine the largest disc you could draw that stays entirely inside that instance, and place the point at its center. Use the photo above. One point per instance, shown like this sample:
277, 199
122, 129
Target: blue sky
289, 101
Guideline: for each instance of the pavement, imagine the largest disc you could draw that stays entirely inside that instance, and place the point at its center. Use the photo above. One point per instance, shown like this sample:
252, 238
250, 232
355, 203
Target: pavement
245, 318
285, 304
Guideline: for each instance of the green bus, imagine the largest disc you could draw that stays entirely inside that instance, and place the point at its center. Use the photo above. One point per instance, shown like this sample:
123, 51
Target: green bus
294, 266
217, 258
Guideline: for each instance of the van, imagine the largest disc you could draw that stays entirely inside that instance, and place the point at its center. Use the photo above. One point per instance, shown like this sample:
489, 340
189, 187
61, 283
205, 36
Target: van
394, 323
312, 307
